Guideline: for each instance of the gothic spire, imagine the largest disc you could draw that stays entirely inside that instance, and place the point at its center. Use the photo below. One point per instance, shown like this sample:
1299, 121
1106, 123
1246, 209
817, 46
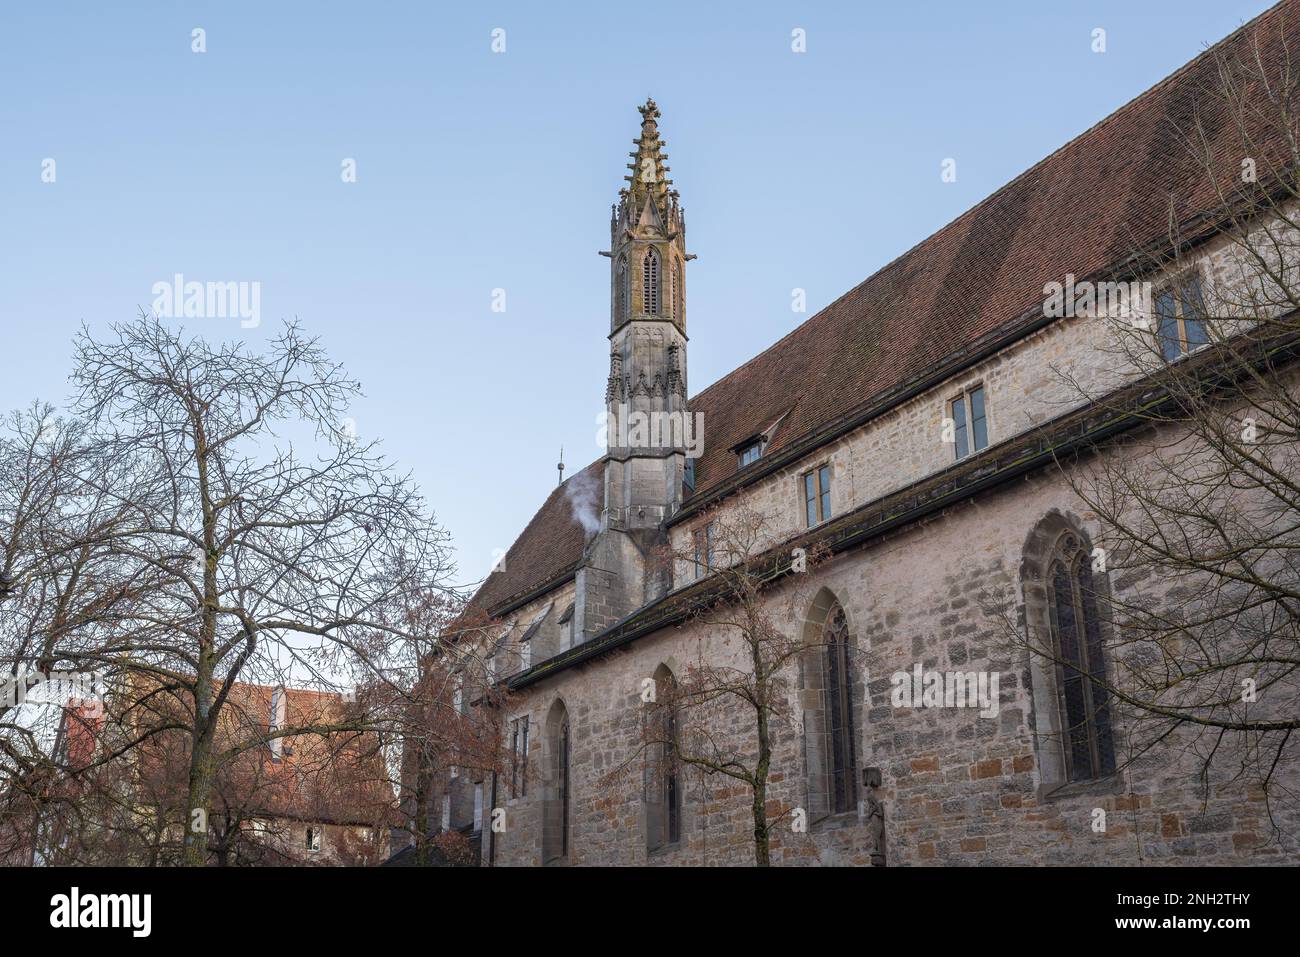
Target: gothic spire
649, 193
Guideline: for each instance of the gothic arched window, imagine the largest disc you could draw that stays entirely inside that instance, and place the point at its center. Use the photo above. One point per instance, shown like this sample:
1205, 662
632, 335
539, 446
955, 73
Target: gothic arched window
650, 282
679, 294
663, 798
670, 301
1075, 623
827, 677
557, 794
620, 288
842, 766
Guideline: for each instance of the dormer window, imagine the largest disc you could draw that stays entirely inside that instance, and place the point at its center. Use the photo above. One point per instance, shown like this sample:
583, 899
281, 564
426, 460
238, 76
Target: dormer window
566, 629
749, 452
526, 642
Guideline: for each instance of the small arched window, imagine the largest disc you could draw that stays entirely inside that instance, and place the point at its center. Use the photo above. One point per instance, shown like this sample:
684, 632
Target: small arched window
557, 794
650, 281
663, 799
1075, 622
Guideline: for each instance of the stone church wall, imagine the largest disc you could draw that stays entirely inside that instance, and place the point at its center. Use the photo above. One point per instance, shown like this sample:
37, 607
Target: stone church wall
957, 788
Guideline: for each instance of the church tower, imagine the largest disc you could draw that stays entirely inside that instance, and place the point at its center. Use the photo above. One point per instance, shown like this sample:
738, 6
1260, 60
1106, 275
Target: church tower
649, 429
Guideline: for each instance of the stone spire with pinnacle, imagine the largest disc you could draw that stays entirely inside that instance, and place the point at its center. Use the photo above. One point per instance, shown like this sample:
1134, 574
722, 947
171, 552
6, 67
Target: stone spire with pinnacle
648, 178
644, 469
648, 214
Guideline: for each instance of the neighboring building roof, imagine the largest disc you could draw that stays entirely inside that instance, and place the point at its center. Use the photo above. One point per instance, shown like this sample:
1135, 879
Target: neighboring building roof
336, 778
1085, 209
80, 731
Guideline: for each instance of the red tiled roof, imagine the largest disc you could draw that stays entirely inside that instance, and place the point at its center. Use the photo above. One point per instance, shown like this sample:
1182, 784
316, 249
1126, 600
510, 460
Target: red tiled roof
336, 778
81, 727
1086, 208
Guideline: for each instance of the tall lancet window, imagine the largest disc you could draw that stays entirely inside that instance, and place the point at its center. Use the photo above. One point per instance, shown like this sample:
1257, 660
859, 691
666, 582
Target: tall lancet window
677, 291
620, 287
670, 300
838, 679
650, 282
1081, 668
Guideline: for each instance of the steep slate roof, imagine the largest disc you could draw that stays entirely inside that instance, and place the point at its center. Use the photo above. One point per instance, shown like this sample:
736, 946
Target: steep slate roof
549, 547
1083, 210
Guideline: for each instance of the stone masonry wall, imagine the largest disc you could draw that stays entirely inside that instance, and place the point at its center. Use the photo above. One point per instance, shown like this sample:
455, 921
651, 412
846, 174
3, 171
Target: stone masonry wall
1028, 382
957, 788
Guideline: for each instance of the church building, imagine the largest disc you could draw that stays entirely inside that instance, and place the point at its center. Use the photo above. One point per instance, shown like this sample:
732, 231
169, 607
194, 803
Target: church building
908, 451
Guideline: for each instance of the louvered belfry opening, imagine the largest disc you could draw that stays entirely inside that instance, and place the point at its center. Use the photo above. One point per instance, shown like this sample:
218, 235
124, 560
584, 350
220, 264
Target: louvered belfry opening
650, 282
621, 293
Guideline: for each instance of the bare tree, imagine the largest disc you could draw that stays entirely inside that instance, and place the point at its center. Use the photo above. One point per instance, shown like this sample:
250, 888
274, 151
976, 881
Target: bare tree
747, 662
1198, 505
272, 539
58, 586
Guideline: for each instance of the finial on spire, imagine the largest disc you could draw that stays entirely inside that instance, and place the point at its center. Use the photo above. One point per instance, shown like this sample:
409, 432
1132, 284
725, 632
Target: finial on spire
560, 467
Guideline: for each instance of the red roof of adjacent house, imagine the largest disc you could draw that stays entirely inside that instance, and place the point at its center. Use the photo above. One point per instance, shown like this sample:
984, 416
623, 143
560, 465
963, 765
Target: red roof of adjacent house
1086, 208
336, 777
81, 726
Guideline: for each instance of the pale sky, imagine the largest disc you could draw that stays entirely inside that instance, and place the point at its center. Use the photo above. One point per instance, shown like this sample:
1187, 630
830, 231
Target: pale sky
479, 170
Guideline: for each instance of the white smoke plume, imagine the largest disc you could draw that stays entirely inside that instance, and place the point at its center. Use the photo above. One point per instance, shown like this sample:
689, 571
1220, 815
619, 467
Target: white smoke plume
583, 494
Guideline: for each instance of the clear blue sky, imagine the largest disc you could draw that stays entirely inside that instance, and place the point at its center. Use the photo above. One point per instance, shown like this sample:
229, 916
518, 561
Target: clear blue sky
478, 170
